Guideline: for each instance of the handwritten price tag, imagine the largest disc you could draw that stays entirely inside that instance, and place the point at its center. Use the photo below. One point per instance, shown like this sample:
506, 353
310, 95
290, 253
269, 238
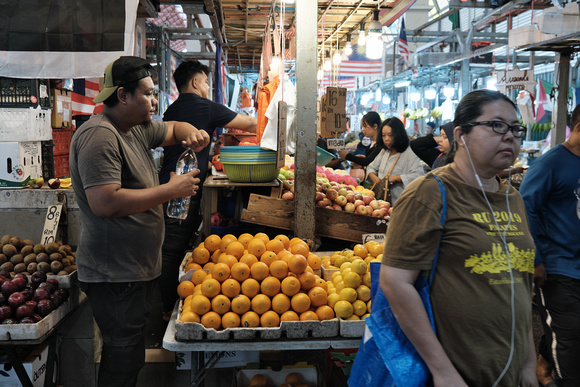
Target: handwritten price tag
51, 224
380, 238
335, 143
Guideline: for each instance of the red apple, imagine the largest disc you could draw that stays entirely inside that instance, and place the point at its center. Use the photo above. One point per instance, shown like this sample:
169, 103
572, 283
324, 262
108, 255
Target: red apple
54, 183
375, 204
350, 197
337, 207
23, 311
5, 312
358, 203
377, 213
343, 191
332, 194
362, 209
369, 209
41, 294
321, 203
358, 196
288, 195
367, 199
8, 287
20, 282
319, 196
16, 299
44, 307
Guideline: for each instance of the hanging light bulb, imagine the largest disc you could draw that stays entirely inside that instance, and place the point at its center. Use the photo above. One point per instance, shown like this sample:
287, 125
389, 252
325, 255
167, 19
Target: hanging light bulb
430, 93
327, 66
361, 35
374, 41
386, 99
415, 97
378, 94
448, 91
348, 47
336, 59
491, 82
320, 74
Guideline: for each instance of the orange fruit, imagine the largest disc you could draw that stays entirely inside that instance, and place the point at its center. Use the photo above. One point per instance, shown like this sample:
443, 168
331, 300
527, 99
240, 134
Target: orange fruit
297, 264
270, 286
216, 255
275, 245
211, 320
220, 271
259, 271
268, 257
261, 303
228, 259
192, 266
280, 303
269, 319
300, 302
300, 248
185, 288
200, 304
360, 250
250, 287
212, 243
240, 271
249, 259
250, 320
324, 312
290, 286
226, 240
264, 237
231, 288
294, 379
314, 261
376, 249
318, 296
284, 239
290, 316
283, 254
279, 269
295, 240
197, 290
309, 315
245, 238
320, 282
231, 320
240, 304
198, 276
259, 380
220, 304
200, 255
236, 249
208, 266
189, 316
210, 287
307, 280
256, 247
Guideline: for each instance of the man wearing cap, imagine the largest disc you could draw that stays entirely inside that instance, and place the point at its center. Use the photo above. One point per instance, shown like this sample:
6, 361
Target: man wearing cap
194, 107
119, 196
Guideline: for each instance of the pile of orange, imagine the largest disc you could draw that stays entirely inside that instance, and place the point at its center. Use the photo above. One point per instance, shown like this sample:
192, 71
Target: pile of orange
253, 281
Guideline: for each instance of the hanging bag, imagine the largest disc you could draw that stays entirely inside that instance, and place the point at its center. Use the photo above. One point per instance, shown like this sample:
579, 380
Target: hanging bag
386, 357
382, 189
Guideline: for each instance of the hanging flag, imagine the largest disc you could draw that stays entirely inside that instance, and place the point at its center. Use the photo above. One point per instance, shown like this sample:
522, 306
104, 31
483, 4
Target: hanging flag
346, 82
84, 90
174, 92
542, 99
403, 46
359, 65
65, 38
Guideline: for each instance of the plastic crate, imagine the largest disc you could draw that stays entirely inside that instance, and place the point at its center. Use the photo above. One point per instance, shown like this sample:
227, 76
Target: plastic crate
24, 92
61, 138
323, 157
25, 124
47, 159
61, 166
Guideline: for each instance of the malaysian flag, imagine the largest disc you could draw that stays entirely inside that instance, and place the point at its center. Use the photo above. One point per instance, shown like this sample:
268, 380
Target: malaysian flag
346, 82
84, 90
403, 46
174, 92
359, 65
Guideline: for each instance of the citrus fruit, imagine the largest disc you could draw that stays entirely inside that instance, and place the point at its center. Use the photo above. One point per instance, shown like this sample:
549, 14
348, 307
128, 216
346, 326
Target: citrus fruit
290, 286
250, 319
314, 261
250, 287
245, 238
279, 269
240, 271
198, 276
256, 247
275, 245
307, 280
220, 304
268, 258
359, 307
300, 302
290, 316
297, 264
200, 255
236, 249
348, 294
343, 309
211, 320
269, 319
240, 304
333, 298
300, 248
318, 296
200, 304
280, 303
360, 250
185, 288
212, 243
249, 259
231, 287
231, 320
284, 239
189, 316
309, 315
210, 287
226, 240
366, 279
264, 237
259, 271
351, 280
261, 303
359, 266
270, 286
324, 312
220, 271
363, 293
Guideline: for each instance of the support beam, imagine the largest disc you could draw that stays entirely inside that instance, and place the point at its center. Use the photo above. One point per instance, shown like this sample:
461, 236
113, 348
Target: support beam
305, 157
562, 81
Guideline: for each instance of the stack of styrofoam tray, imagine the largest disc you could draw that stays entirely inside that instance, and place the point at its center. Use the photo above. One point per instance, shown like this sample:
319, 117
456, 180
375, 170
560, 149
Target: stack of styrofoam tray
11, 332
25, 124
183, 265
327, 273
354, 328
287, 329
65, 281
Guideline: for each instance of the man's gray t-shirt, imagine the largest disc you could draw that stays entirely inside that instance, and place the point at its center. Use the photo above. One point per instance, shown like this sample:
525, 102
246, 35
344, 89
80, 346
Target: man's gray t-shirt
128, 248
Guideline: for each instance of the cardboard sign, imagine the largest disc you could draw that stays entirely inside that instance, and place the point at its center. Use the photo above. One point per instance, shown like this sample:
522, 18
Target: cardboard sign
335, 143
62, 108
380, 238
332, 109
51, 224
282, 123
516, 79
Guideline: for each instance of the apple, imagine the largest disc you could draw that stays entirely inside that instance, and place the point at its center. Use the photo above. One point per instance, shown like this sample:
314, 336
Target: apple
36, 183
332, 194
367, 199
377, 213
337, 207
349, 207
342, 191
374, 204
54, 183
321, 203
341, 201
16, 299
41, 294
358, 196
390, 211
288, 195
319, 196
20, 282
44, 307
23, 311
362, 209
358, 203
8, 287
326, 186
37, 278
27, 320
350, 197
369, 209
27, 293
36, 317
5, 312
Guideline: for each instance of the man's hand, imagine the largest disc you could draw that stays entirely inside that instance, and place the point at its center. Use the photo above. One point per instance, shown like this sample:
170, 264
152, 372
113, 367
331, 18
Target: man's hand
540, 275
184, 185
197, 140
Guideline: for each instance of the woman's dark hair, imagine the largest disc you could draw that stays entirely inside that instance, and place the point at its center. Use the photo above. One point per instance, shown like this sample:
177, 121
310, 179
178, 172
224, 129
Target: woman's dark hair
400, 137
186, 71
470, 107
372, 118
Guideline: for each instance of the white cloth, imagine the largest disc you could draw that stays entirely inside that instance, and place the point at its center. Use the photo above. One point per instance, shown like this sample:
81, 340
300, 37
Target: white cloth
408, 167
270, 136
526, 107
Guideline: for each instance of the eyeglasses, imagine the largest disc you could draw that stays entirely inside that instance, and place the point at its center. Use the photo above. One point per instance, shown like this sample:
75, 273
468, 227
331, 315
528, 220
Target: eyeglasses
501, 127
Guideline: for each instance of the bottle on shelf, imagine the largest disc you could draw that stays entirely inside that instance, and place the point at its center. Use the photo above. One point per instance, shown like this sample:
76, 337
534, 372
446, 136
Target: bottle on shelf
179, 207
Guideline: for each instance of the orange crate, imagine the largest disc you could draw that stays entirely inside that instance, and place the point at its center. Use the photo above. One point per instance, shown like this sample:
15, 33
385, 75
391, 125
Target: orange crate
61, 166
61, 139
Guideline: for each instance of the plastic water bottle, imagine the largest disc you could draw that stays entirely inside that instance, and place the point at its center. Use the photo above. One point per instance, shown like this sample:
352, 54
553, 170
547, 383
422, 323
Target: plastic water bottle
179, 207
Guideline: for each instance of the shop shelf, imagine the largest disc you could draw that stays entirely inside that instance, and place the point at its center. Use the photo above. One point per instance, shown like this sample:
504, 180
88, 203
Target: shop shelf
24, 92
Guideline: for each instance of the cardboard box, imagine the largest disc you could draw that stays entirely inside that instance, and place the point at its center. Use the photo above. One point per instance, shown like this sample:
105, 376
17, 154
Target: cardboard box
35, 365
332, 112
20, 162
309, 375
62, 107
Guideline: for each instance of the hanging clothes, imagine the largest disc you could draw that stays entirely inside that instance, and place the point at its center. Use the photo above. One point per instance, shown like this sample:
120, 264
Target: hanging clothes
270, 135
526, 105
266, 94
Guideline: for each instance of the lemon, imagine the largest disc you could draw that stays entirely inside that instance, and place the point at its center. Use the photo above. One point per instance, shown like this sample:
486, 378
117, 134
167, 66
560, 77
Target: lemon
359, 266
348, 294
365, 316
340, 260
337, 279
354, 317
359, 307
339, 286
351, 280
343, 309
336, 273
345, 265
369, 306
366, 279
363, 293
332, 299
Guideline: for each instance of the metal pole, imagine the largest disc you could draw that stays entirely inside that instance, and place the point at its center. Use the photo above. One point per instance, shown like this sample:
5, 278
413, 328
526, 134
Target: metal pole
305, 157
559, 122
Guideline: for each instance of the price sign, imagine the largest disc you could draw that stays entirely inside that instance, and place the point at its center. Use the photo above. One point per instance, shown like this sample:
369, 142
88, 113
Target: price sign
380, 238
335, 143
51, 224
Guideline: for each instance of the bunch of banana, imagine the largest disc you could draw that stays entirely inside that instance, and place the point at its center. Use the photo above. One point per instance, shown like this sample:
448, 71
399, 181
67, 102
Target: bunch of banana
436, 112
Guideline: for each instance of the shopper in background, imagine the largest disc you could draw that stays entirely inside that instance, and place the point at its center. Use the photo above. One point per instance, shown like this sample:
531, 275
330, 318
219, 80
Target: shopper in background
119, 196
397, 154
194, 107
371, 123
482, 287
551, 192
445, 141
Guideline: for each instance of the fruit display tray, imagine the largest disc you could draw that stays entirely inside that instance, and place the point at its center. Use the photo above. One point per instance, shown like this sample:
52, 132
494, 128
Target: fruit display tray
352, 328
15, 332
65, 281
287, 329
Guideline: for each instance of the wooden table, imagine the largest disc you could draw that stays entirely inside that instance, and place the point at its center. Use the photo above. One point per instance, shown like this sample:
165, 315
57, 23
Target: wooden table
211, 188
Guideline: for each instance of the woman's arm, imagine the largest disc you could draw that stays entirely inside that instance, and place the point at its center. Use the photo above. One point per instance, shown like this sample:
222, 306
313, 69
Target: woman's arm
397, 285
367, 159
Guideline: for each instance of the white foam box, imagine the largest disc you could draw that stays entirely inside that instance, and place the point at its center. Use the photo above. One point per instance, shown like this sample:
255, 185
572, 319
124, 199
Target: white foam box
557, 23
309, 373
35, 365
20, 162
527, 35
25, 124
